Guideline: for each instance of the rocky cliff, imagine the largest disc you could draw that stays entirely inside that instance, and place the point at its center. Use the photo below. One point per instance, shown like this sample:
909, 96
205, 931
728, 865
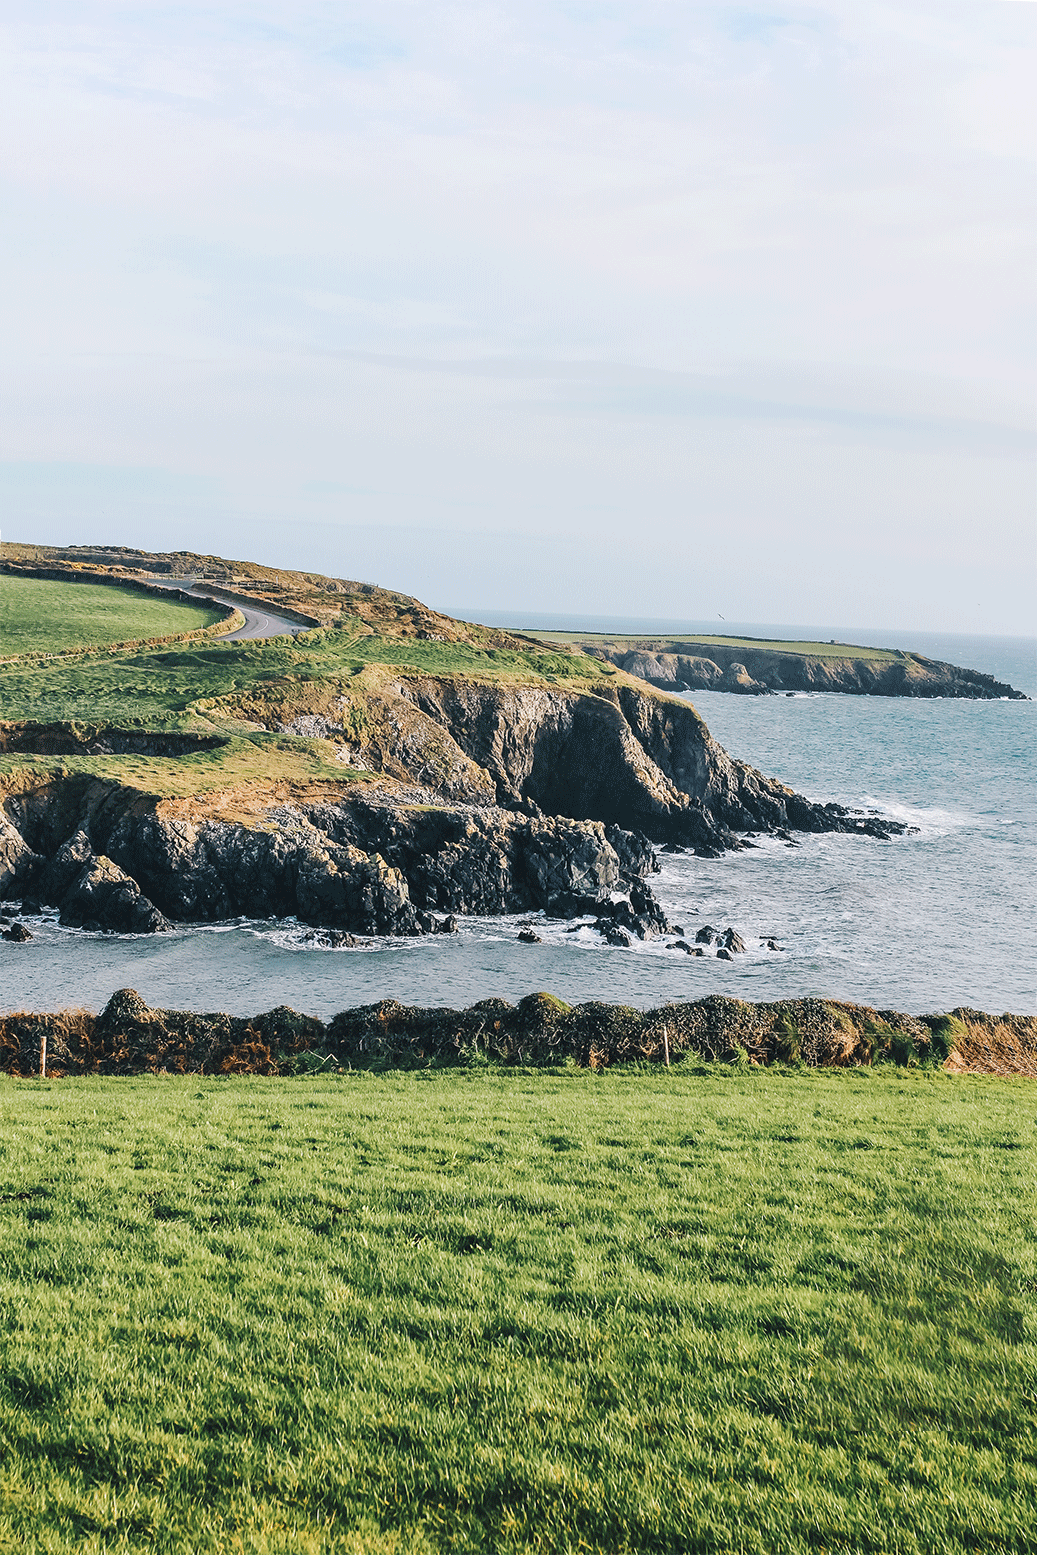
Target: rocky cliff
622, 755
366, 776
479, 798
753, 671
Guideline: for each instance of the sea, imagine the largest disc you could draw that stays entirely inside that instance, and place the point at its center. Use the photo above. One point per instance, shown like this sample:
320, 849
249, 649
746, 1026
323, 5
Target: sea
941, 917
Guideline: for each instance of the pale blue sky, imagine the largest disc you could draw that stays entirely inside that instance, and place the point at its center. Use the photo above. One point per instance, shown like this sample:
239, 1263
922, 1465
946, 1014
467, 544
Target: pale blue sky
655, 308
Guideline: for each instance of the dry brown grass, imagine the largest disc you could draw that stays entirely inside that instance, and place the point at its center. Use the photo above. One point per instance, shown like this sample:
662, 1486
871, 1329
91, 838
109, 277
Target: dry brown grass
992, 1044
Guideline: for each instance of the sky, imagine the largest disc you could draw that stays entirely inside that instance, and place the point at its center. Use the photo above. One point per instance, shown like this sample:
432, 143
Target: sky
640, 307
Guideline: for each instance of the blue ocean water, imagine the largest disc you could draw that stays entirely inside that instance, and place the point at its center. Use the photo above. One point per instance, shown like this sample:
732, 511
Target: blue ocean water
923, 922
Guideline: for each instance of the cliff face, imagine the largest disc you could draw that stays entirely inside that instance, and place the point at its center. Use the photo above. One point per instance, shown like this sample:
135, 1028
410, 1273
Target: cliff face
488, 798
624, 755
756, 670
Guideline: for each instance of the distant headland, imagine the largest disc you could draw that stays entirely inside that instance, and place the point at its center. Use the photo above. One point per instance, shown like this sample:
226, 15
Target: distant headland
755, 666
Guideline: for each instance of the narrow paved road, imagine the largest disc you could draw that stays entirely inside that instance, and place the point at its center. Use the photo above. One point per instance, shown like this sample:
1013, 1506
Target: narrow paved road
258, 622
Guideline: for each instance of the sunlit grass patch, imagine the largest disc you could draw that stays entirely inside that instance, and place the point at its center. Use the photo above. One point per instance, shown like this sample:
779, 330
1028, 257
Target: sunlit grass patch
519, 1311
43, 615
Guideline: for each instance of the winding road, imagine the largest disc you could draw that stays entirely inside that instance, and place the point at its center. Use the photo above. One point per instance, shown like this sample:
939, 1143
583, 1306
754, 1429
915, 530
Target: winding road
259, 622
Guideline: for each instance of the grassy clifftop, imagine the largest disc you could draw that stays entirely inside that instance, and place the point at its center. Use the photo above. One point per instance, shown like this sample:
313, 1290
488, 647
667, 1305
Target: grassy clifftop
693, 642
384, 691
248, 693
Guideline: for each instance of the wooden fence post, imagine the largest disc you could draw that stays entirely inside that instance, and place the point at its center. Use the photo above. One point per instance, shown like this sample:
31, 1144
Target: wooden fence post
666, 1045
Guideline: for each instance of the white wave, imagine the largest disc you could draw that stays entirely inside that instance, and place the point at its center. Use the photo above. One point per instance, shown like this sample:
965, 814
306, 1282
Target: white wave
931, 820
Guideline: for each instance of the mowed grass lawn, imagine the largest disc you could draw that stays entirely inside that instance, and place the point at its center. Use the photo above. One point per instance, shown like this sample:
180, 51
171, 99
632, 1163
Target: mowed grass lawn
709, 1309
38, 615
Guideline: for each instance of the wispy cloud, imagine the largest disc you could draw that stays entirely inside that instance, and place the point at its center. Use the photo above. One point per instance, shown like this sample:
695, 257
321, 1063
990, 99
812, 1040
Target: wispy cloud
557, 258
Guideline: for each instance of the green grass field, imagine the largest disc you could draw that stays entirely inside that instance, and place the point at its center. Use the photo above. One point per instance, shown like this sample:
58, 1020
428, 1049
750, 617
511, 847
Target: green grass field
684, 644
38, 615
672, 1311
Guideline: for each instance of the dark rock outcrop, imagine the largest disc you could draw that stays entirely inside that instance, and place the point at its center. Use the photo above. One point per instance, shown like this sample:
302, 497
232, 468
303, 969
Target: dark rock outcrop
623, 755
102, 896
365, 866
640, 917
549, 799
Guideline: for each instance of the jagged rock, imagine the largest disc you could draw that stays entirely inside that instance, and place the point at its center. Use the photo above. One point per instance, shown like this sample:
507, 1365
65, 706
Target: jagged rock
737, 678
446, 925
613, 934
773, 945
574, 906
706, 935
18, 934
358, 891
103, 896
18, 861
68, 863
332, 939
724, 954
732, 941
640, 916
31, 908
528, 937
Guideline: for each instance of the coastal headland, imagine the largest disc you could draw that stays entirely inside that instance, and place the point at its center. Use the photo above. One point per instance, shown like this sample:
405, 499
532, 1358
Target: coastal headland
376, 773
749, 666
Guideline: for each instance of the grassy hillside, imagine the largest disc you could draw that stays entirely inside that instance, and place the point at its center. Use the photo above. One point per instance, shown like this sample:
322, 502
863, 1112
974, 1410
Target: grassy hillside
665, 1311
329, 600
42, 615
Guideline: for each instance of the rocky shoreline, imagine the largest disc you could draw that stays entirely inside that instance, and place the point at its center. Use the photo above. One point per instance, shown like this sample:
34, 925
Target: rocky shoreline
516, 782
751, 671
129, 1038
476, 799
